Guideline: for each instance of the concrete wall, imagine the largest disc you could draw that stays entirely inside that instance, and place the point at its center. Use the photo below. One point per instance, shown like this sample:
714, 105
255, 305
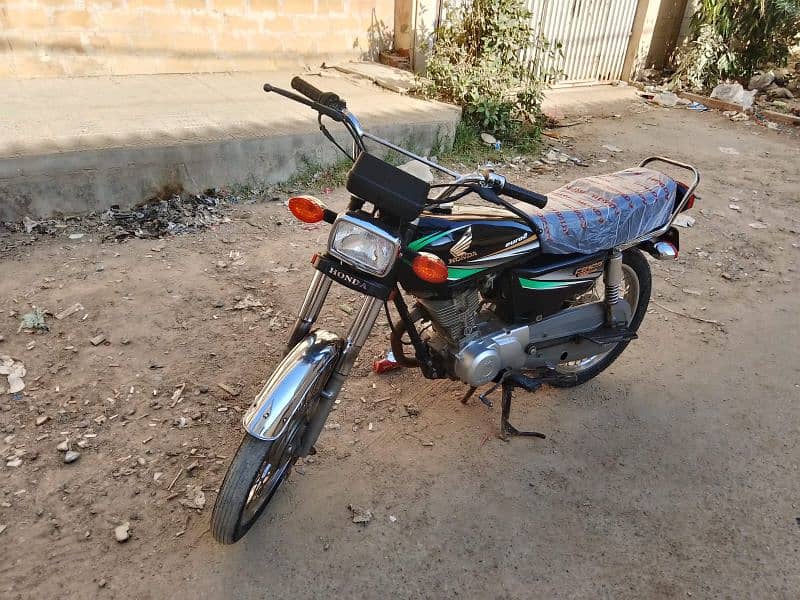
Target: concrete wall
654, 35
50, 38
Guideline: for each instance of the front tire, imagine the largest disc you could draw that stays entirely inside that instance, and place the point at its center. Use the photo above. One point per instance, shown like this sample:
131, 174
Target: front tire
636, 275
255, 473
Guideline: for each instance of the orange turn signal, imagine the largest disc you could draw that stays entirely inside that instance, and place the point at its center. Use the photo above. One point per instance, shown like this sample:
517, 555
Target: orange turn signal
429, 267
307, 209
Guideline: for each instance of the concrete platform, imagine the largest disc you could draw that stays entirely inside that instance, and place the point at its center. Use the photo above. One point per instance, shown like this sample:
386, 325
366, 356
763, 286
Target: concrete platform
75, 145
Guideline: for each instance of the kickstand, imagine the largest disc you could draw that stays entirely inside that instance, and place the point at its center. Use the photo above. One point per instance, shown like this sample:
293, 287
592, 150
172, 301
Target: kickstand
509, 383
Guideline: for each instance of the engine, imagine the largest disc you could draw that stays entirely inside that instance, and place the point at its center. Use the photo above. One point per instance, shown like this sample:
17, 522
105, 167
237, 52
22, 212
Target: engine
476, 345
455, 320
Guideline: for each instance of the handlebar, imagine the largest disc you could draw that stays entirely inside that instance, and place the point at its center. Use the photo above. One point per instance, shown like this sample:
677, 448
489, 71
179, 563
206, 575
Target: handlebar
330, 105
305, 88
523, 195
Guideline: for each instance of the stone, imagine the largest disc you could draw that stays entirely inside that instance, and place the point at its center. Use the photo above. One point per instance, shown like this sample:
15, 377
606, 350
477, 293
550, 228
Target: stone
63, 446
14, 462
121, 532
71, 456
361, 515
780, 92
42, 420
761, 81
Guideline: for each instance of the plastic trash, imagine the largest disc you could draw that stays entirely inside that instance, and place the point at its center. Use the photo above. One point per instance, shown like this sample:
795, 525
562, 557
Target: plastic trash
734, 93
668, 99
383, 365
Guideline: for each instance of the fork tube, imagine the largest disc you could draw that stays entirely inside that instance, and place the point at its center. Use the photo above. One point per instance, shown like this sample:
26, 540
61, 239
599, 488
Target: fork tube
309, 311
356, 336
358, 333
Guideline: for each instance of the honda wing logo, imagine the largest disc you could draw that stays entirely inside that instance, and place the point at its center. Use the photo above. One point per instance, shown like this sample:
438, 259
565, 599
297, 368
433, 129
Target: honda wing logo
461, 246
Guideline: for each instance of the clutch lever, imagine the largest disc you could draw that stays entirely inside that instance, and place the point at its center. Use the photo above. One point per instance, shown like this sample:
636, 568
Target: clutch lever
320, 108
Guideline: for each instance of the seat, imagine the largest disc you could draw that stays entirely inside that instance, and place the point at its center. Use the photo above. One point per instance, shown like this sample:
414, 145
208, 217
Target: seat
597, 213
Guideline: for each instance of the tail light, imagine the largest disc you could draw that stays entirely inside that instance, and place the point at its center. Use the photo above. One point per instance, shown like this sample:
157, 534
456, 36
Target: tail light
682, 189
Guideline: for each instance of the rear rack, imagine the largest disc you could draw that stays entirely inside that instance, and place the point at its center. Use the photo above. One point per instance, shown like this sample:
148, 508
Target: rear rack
678, 208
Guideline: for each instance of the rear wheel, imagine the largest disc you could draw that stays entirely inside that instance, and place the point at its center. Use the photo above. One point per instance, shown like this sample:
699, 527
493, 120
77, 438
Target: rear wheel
636, 287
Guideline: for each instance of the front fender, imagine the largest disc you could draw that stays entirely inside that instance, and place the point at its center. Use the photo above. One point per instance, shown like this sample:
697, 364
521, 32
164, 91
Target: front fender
298, 378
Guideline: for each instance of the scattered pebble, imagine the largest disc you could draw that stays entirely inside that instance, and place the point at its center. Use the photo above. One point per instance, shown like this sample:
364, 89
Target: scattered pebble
42, 420
71, 456
63, 446
121, 532
360, 514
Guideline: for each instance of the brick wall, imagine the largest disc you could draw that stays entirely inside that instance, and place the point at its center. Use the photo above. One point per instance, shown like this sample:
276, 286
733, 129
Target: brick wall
50, 38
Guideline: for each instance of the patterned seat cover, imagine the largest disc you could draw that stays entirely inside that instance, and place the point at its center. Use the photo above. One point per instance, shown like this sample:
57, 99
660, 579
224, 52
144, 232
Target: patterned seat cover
598, 213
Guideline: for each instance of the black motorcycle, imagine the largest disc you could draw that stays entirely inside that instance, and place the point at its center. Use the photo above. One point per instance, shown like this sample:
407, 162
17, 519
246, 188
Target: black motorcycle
516, 295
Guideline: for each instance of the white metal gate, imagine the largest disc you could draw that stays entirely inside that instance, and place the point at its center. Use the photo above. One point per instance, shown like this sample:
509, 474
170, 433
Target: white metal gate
593, 34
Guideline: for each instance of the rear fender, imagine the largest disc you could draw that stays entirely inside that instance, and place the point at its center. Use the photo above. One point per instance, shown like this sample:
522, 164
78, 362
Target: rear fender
295, 383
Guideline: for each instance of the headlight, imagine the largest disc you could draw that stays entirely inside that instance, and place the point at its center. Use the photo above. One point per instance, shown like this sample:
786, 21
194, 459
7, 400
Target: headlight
363, 245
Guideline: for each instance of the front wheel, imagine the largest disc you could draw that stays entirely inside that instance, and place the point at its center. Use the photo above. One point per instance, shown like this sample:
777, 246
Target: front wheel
256, 472
636, 287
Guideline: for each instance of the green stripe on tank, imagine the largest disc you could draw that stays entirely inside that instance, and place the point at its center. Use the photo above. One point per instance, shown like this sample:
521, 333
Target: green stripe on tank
455, 273
535, 284
417, 245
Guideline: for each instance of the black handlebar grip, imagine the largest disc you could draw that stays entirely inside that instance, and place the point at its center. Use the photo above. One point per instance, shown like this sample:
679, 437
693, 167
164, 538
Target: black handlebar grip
524, 195
305, 88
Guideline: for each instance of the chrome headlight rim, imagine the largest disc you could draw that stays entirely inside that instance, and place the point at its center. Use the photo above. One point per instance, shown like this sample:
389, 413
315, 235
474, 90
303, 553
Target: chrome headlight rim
371, 229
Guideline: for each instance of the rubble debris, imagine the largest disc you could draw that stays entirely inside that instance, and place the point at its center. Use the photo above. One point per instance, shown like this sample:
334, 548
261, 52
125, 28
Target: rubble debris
246, 303
122, 532
735, 207
195, 498
612, 148
98, 339
229, 389
667, 99
29, 224
14, 370
34, 321
727, 150
63, 446
759, 225
361, 515
69, 311
157, 218
42, 420
76, 236
780, 93
684, 220
761, 81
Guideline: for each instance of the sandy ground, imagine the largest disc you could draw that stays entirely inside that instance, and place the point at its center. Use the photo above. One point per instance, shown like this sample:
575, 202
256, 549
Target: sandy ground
673, 474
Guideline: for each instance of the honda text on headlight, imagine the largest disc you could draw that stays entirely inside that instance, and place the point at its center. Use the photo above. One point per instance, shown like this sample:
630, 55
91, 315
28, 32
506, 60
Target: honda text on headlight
363, 245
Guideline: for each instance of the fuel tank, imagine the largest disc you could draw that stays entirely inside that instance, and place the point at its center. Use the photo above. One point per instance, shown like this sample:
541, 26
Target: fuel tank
472, 241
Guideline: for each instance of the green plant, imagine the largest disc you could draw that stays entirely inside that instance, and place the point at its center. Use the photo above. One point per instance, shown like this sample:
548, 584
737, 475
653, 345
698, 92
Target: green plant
731, 39
479, 62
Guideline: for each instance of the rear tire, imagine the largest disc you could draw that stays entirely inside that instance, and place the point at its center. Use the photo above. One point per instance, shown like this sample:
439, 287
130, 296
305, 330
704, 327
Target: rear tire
636, 264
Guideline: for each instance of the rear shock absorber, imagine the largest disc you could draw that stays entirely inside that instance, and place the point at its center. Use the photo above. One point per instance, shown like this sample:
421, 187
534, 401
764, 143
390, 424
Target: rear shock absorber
613, 284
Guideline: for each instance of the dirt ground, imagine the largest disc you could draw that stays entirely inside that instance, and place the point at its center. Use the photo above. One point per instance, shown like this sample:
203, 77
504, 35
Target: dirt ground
673, 474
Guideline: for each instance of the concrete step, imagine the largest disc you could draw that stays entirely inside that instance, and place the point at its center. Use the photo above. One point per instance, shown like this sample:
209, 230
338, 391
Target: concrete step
71, 146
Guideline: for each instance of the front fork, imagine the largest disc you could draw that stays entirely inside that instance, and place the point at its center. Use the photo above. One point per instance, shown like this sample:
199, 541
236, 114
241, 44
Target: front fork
356, 336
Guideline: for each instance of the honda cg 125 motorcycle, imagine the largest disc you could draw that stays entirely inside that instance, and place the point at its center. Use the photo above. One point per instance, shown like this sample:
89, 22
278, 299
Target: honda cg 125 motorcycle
502, 294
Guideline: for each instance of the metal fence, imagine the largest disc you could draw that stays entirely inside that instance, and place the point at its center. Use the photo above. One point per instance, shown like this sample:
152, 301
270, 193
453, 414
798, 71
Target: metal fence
593, 35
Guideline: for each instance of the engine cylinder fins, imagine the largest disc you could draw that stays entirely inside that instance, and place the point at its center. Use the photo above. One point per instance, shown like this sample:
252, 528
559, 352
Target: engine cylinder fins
456, 318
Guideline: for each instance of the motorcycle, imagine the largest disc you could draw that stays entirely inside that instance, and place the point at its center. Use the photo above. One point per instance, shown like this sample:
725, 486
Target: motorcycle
547, 290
